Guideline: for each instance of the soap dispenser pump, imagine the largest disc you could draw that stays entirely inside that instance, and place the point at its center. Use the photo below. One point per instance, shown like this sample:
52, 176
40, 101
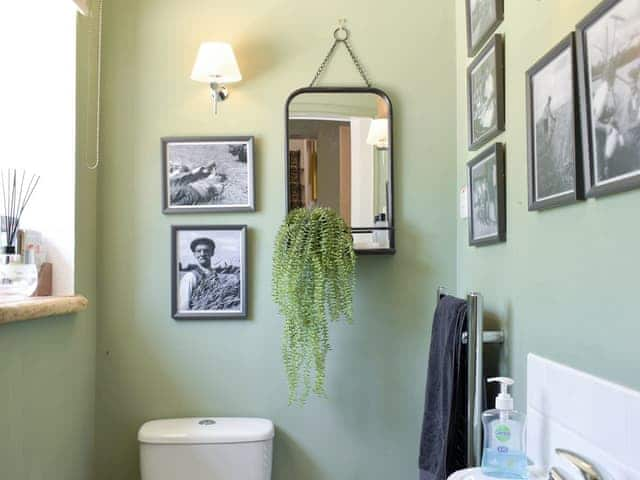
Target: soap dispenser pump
504, 436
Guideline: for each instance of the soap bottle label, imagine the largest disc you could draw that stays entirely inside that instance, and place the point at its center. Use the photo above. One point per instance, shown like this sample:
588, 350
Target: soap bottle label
503, 456
503, 433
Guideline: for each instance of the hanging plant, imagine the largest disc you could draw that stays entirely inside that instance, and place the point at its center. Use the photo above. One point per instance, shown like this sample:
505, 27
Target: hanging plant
313, 282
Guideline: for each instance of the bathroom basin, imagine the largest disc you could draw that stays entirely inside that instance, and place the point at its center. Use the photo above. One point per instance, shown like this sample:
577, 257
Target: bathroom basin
476, 474
468, 474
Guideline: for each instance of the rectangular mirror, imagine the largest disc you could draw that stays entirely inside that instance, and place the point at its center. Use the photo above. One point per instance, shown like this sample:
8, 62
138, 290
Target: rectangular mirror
340, 155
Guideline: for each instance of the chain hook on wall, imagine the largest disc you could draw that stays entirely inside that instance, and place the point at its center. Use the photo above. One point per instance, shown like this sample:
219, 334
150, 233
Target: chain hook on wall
341, 35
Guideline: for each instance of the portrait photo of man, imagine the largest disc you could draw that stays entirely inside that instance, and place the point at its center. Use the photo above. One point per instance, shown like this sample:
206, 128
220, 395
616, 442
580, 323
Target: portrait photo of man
209, 272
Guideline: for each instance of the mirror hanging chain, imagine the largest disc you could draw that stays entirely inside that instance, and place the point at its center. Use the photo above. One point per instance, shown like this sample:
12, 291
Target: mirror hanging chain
341, 35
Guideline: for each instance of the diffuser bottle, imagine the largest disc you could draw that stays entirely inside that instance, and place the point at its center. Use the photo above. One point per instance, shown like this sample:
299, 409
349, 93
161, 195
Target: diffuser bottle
18, 280
504, 437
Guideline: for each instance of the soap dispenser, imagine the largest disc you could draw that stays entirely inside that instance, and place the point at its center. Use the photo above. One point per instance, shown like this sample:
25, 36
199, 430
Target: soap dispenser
504, 436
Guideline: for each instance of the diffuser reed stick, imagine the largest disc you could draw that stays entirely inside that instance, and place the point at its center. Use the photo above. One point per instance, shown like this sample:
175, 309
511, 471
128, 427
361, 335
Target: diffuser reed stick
17, 188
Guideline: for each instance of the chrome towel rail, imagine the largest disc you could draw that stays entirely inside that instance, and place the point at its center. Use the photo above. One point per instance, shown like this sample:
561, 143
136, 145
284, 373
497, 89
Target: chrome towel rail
492, 336
475, 377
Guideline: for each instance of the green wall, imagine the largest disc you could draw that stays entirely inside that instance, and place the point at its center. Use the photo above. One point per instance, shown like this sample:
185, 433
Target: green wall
150, 366
564, 284
47, 366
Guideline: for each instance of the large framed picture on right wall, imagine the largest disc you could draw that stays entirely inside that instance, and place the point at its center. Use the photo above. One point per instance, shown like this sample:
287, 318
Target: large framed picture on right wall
608, 42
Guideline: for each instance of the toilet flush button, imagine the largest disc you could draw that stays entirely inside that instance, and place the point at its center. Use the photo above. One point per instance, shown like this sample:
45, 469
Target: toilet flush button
207, 422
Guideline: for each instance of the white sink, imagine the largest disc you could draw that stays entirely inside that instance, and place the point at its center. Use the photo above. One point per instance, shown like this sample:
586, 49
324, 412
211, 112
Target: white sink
476, 474
467, 474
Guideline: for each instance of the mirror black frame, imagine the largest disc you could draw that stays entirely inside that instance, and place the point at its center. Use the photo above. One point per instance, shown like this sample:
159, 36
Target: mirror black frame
390, 214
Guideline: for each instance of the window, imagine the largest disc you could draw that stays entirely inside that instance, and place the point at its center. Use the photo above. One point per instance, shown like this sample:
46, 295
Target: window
37, 119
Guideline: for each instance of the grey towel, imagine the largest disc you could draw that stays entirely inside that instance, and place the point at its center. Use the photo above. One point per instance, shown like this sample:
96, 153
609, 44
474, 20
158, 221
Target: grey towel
443, 440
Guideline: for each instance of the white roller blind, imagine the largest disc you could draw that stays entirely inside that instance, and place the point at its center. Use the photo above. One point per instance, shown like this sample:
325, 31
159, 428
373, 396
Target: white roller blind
83, 6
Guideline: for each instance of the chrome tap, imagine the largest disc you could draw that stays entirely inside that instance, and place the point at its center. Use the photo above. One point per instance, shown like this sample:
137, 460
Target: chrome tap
587, 469
554, 474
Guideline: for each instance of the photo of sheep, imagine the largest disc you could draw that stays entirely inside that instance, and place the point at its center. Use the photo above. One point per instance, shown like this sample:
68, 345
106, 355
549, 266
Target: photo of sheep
610, 42
208, 174
209, 271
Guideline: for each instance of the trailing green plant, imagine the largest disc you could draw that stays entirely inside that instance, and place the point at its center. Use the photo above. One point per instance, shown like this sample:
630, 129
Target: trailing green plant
313, 282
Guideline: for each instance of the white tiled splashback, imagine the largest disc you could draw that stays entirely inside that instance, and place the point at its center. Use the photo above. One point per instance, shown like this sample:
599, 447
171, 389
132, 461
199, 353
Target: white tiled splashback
570, 409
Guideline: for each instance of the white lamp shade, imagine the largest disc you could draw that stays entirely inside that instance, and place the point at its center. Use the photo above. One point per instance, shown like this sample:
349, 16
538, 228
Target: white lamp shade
379, 133
216, 63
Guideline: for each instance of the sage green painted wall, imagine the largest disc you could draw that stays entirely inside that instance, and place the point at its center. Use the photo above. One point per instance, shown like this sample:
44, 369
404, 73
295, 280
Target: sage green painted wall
564, 284
150, 366
47, 366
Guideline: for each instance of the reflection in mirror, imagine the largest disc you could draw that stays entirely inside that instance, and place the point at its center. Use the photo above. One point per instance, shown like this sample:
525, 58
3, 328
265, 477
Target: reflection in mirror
339, 156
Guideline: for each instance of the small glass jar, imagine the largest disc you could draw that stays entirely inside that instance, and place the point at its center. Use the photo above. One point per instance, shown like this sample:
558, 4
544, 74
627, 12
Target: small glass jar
17, 280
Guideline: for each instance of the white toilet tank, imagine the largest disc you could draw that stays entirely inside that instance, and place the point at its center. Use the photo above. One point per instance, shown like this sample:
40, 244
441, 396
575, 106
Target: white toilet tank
206, 449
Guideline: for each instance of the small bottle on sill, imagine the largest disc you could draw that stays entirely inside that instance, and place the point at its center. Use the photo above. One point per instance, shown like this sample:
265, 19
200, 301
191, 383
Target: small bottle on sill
17, 280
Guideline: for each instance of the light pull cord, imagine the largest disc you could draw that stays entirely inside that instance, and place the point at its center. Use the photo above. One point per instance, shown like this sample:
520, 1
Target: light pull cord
98, 82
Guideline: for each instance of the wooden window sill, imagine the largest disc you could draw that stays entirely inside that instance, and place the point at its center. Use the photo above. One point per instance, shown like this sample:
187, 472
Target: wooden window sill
38, 307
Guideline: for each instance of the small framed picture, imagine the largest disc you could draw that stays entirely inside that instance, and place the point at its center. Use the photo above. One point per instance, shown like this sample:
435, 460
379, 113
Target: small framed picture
207, 174
609, 62
209, 272
483, 17
487, 197
485, 84
553, 129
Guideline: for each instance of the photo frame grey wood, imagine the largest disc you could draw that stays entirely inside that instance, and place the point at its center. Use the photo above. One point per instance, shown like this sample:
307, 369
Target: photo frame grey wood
577, 192
495, 45
496, 150
250, 206
592, 187
208, 315
474, 47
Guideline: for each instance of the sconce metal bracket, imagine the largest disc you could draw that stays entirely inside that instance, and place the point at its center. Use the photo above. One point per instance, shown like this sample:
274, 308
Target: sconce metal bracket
219, 93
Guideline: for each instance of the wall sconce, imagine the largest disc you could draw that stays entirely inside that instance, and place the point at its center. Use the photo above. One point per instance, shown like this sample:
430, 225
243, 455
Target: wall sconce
379, 133
216, 65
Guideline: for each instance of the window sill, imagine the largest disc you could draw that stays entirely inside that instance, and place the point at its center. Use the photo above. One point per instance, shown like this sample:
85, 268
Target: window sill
38, 307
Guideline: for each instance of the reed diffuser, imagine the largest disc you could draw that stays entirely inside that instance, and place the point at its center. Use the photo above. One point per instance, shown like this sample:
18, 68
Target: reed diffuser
17, 187
17, 279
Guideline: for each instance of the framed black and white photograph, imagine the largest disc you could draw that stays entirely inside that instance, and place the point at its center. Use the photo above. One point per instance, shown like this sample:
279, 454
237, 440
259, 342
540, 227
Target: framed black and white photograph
208, 174
487, 197
553, 129
209, 272
483, 17
485, 85
609, 58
